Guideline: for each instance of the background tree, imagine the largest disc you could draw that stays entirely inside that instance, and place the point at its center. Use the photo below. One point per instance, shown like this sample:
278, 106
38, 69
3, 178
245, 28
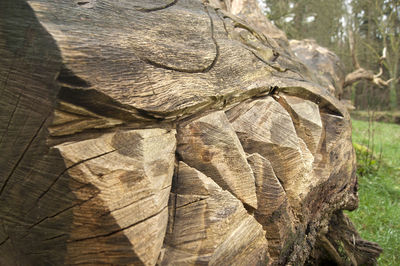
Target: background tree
317, 19
375, 24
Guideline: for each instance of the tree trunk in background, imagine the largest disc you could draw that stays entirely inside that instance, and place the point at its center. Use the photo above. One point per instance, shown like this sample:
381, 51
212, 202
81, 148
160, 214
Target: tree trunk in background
170, 133
398, 93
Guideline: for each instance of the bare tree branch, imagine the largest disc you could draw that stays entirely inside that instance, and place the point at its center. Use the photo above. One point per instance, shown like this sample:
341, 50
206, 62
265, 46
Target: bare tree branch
365, 74
352, 44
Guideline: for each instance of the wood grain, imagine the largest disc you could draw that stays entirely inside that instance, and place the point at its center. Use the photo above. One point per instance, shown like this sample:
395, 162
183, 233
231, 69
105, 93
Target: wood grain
264, 127
167, 132
210, 145
210, 226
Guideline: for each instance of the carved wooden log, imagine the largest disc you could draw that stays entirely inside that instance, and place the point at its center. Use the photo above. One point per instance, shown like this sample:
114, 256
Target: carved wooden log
165, 132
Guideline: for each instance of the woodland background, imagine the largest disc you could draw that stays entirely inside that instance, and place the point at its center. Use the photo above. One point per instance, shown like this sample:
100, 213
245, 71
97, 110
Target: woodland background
375, 24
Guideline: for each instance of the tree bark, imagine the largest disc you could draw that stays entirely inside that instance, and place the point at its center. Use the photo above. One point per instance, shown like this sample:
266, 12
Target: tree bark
163, 132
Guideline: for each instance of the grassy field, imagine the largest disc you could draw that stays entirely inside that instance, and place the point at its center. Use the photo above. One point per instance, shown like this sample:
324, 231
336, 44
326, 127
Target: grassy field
378, 217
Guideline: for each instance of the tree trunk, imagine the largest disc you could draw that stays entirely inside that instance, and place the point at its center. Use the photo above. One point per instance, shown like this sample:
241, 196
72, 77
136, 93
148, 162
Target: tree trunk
397, 90
164, 132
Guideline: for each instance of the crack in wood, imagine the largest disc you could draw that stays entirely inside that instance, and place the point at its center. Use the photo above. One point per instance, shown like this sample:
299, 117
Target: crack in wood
325, 105
5, 232
183, 243
186, 204
176, 179
9, 72
11, 118
55, 237
22, 156
126, 205
62, 211
68, 168
174, 210
5, 240
119, 230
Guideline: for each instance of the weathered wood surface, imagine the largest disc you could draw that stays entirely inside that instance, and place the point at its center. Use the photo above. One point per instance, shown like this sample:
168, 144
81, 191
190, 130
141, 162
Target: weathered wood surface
209, 225
326, 65
210, 145
165, 132
264, 127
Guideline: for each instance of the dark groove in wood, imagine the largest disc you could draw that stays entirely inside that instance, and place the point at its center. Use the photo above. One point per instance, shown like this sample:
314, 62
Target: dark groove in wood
60, 212
68, 168
22, 156
11, 117
5, 240
119, 230
55, 237
186, 204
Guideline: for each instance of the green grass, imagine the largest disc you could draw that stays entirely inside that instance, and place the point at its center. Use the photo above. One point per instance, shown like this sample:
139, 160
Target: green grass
378, 217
